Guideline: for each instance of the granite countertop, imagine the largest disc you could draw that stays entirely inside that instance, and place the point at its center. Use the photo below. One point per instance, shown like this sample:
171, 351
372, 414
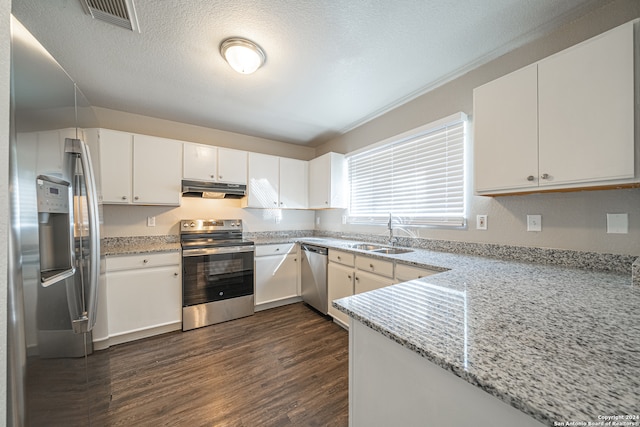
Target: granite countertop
113, 246
560, 344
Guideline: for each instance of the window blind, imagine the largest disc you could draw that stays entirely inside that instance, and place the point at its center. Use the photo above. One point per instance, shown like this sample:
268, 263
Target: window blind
417, 177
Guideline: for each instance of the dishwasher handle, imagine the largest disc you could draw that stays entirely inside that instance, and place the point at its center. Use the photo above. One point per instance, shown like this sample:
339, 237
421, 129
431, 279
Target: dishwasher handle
315, 249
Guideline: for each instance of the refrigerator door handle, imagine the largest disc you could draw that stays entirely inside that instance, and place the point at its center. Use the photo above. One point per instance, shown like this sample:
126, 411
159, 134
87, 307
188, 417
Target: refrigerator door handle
88, 319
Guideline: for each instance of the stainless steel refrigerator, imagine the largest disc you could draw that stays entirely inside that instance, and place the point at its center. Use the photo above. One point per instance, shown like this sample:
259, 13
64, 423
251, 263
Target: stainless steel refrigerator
54, 250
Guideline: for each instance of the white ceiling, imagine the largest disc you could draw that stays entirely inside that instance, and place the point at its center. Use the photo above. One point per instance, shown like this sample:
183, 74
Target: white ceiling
331, 65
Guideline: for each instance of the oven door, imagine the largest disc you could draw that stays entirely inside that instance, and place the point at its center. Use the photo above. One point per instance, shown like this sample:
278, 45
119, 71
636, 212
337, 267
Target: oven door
215, 274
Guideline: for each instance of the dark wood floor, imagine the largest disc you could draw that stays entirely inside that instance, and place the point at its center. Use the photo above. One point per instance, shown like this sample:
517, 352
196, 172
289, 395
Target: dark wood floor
282, 367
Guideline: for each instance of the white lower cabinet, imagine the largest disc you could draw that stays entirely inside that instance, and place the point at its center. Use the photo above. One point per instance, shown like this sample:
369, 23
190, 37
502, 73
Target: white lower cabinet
366, 282
404, 273
372, 274
277, 273
390, 385
340, 280
144, 295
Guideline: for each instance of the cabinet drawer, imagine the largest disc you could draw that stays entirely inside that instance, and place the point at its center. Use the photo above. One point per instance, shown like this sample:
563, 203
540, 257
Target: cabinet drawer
129, 262
405, 273
341, 257
383, 268
279, 249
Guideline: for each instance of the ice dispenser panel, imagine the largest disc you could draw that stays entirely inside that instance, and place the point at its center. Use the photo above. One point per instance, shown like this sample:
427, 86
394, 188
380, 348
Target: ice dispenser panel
55, 229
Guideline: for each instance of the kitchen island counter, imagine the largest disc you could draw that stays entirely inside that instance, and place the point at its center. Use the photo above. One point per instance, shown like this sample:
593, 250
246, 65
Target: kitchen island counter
560, 344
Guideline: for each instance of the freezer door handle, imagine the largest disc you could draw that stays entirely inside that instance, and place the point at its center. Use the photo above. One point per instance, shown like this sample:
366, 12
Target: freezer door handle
88, 318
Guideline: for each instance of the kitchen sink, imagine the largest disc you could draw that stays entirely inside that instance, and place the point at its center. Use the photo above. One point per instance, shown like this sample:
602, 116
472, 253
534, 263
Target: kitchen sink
392, 251
367, 247
380, 249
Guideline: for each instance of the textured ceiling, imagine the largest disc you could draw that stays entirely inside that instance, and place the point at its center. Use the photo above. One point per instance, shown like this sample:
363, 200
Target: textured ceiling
331, 65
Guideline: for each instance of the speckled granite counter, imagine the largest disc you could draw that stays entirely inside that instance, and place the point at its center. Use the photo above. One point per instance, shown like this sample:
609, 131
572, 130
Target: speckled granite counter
560, 344
139, 244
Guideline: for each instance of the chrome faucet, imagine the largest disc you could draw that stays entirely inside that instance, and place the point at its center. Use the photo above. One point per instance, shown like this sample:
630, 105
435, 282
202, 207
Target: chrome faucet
392, 239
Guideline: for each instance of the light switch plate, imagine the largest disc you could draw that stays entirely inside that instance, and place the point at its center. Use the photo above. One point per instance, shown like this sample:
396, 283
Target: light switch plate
481, 222
618, 223
534, 222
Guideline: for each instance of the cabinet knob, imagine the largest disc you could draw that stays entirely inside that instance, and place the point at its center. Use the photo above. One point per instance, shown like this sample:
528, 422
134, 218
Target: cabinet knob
530, 178
175, 274
219, 176
295, 260
339, 259
136, 198
545, 176
145, 261
212, 176
124, 197
349, 276
275, 203
357, 279
277, 249
371, 266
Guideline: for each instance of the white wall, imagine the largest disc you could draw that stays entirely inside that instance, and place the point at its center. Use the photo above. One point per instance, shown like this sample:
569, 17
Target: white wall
136, 123
5, 56
570, 220
122, 221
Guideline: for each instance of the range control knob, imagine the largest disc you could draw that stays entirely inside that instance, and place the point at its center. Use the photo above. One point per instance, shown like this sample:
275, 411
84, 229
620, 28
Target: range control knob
193, 224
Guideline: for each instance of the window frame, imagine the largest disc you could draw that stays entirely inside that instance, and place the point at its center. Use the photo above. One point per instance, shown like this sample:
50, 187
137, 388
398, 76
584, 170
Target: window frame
445, 220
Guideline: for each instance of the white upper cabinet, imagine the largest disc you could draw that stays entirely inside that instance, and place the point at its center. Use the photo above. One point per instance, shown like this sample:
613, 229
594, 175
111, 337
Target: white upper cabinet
115, 154
506, 132
232, 166
294, 179
208, 163
276, 182
199, 162
137, 169
156, 170
263, 188
327, 179
586, 111
566, 122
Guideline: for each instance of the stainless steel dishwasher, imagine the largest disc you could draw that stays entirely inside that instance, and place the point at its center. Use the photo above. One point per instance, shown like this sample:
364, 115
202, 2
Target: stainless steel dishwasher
314, 276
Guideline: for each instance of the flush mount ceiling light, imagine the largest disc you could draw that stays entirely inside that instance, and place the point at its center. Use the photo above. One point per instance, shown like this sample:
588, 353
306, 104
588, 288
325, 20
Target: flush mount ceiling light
243, 55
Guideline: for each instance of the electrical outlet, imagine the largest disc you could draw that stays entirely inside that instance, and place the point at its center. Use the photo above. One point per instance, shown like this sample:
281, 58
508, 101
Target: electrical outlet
317, 220
151, 221
618, 223
481, 222
534, 222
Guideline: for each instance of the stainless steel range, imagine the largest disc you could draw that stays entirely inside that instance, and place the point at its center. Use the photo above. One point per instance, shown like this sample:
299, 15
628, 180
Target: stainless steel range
217, 272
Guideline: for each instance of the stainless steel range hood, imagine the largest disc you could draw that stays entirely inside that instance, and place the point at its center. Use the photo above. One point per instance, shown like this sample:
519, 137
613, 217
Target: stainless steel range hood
213, 190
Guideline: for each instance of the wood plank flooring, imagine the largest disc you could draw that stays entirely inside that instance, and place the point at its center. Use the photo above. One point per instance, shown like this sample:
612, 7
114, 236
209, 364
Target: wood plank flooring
286, 366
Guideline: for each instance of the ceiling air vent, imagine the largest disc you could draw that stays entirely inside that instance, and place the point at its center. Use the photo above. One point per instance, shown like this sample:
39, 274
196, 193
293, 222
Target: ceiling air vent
117, 12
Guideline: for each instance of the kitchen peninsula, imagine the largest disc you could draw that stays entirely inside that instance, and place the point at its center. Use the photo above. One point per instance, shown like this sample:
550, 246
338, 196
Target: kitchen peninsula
557, 343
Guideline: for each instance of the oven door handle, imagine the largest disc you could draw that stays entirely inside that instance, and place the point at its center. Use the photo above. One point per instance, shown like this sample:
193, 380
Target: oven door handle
215, 251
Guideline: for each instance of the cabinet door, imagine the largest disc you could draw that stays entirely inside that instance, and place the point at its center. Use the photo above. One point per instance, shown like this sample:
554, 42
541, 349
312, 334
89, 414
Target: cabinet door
319, 176
276, 277
143, 298
116, 168
327, 179
366, 282
199, 162
232, 166
506, 132
586, 102
157, 170
294, 178
263, 181
339, 285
